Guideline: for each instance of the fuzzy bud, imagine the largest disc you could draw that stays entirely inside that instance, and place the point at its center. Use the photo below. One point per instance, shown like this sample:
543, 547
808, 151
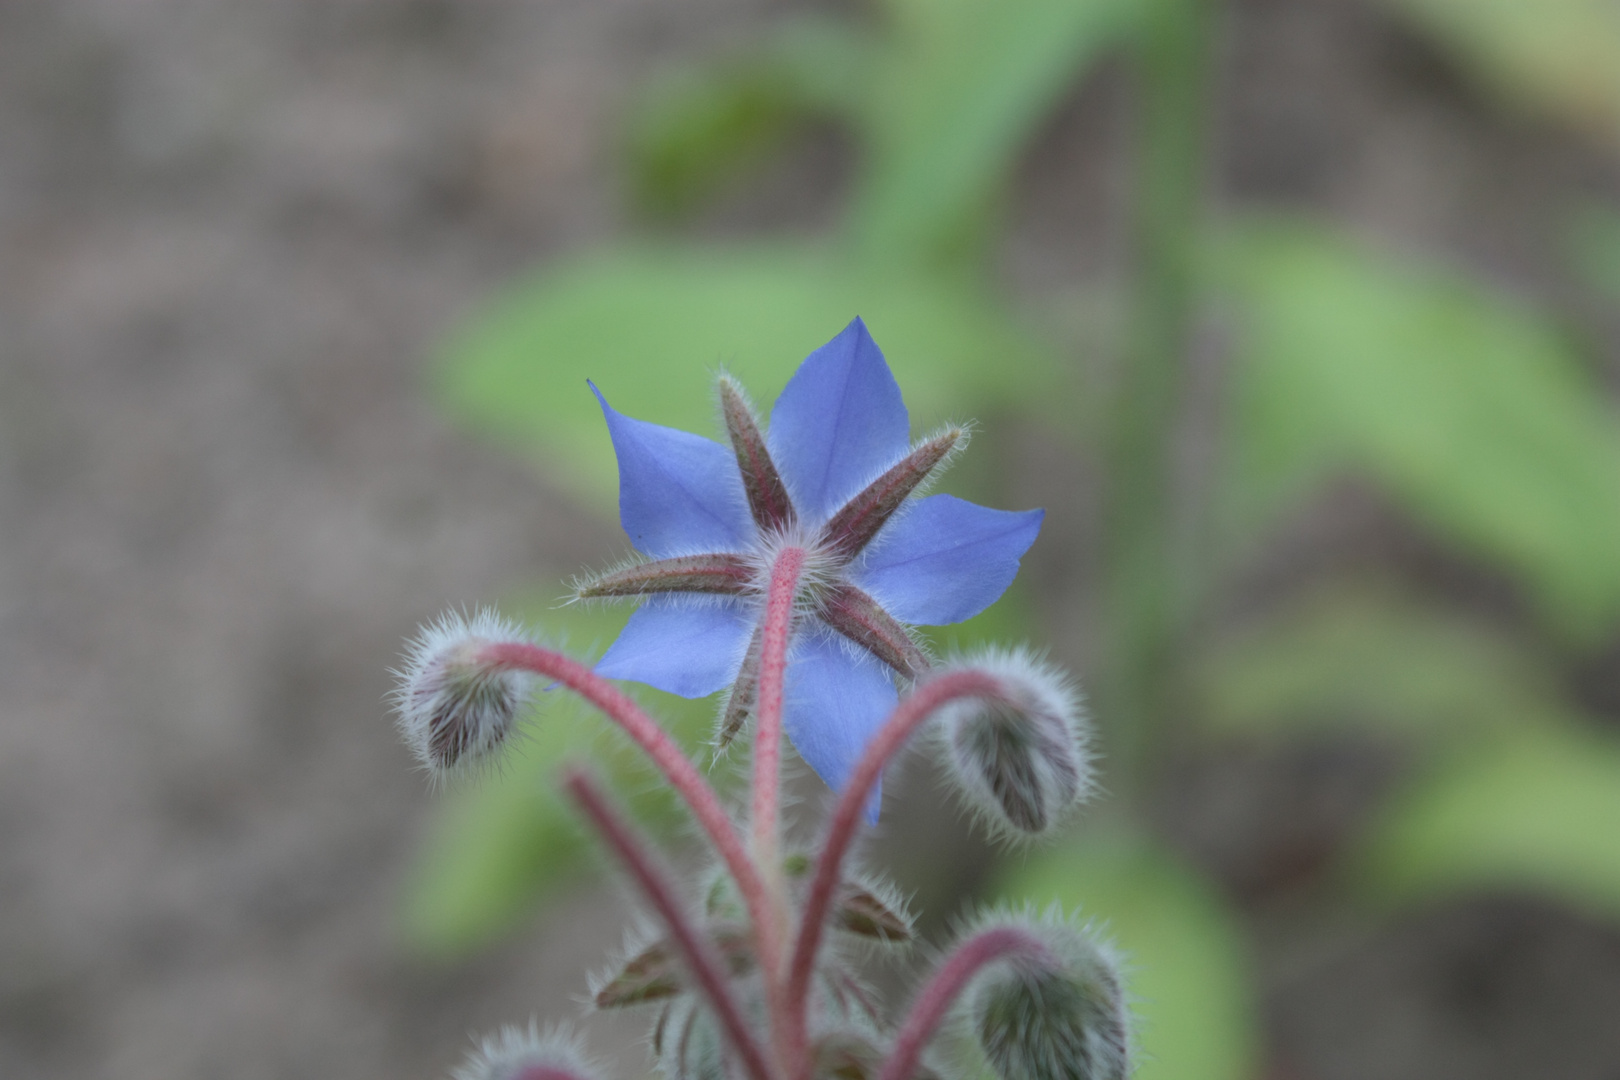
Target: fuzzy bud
452, 706
518, 1054
1058, 1016
687, 1044
1019, 758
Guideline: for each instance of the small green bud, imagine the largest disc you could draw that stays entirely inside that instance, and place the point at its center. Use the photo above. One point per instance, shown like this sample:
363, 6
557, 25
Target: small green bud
1058, 1016
1019, 758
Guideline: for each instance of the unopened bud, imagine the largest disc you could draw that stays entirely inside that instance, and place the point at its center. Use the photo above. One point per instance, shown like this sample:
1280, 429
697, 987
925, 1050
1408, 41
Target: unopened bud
1019, 757
519, 1054
453, 706
1057, 1016
687, 1044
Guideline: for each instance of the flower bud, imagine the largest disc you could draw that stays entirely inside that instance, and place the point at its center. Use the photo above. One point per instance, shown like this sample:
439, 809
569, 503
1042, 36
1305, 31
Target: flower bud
1058, 1016
1020, 757
452, 706
518, 1054
687, 1043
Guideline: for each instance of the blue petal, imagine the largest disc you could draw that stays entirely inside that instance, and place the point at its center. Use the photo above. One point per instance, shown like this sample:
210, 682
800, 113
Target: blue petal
682, 646
679, 493
835, 700
838, 424
944, 560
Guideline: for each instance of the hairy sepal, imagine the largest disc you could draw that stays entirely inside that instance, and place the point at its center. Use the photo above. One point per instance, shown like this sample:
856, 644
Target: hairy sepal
855, 524
720, 574
862, 620
768, 500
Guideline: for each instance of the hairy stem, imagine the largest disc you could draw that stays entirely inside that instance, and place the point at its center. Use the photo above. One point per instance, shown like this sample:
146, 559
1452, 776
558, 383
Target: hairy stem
908, 716
778, 626
767, 800
668, 757
942, 990
695, 951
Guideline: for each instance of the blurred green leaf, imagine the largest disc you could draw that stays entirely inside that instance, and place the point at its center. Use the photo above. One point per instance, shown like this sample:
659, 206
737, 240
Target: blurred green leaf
1538, 812
1365, 659
501, 844
1464, 404
699, 128
1562, 56
1187, 967
956, 97
1594, 244
645, 323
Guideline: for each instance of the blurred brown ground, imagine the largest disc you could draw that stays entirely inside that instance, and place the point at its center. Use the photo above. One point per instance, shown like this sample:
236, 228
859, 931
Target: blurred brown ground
230, 237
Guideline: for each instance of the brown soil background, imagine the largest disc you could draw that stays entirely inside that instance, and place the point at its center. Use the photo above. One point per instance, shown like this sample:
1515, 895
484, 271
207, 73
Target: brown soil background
230, 237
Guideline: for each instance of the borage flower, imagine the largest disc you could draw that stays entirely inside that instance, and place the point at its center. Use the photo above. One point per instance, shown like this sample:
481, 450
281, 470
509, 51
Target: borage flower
834, 475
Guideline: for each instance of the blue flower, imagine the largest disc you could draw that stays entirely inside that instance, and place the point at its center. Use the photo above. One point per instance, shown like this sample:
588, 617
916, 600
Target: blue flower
835, 473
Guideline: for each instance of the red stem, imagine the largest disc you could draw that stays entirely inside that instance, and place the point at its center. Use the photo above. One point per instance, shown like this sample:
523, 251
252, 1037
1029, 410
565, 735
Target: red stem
682, 775
783, 591
847, 815
695, 950
937, 997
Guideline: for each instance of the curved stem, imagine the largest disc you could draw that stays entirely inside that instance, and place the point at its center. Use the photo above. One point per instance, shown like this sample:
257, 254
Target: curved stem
670, 760
907, 717
694, 949
942, 990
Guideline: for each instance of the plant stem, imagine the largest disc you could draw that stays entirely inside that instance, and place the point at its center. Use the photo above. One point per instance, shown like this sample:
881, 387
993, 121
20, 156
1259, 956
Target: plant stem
772, 930
908, 716
1143, 603
942, 990
694, 949
670, 760
779, 600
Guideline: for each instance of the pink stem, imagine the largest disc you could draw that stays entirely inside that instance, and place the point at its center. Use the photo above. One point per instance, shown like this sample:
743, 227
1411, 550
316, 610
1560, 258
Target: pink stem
683, 776
783, 591
777, 628
695, 950
942, 990
907, 717
546, 1072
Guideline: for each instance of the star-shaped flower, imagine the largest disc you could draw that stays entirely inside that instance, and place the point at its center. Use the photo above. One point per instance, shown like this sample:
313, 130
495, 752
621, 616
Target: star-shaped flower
834, 474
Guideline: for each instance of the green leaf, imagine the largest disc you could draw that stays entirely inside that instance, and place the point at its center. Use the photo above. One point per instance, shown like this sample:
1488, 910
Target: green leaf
1560, 56
702, 127
1538, 812
503, 843
1186, 965
646, 324
957, 96
1463, 403
1365, 659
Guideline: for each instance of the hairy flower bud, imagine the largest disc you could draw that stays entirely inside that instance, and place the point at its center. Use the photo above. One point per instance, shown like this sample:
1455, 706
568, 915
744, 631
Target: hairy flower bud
1019, 758
452, 706
687, 1043
519, 1054
1058, 1016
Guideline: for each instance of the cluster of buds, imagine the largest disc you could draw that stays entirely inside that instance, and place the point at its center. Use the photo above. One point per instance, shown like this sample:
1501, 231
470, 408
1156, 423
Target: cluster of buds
789, 579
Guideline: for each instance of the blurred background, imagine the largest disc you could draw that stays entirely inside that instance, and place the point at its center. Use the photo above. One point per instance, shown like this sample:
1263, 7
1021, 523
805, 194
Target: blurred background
1301, 317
